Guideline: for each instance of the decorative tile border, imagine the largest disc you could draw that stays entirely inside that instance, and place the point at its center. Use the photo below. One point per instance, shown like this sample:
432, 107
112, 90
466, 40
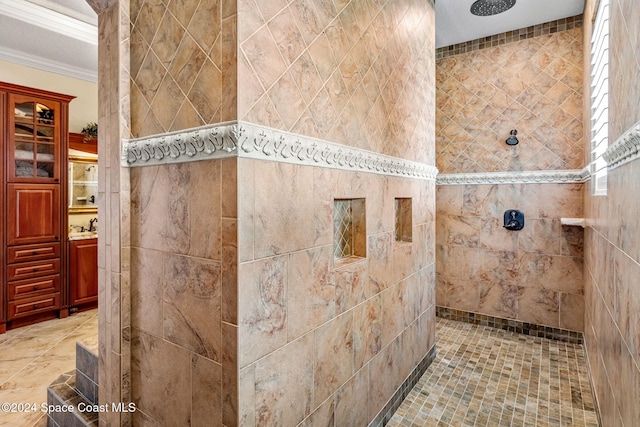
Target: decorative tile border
401, 393
512, 325
625, 149
511, 36
246, 140
526, 177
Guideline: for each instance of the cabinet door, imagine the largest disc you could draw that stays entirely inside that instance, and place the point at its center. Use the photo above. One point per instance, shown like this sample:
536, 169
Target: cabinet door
83, 271
34, 139
33, 213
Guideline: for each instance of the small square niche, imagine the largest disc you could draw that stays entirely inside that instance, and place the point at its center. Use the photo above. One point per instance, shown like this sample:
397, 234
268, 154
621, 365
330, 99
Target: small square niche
349, 229
404, 225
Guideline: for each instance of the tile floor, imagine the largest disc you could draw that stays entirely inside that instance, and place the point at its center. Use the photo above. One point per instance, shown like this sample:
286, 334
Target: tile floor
481, 376
33, 356
490, 377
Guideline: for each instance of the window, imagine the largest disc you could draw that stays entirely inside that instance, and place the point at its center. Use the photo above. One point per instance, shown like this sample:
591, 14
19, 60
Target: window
600, 98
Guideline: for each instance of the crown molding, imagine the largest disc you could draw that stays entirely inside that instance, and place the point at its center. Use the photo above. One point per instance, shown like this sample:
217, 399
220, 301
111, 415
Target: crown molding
32, 61
525, 177
51, 20
246, 140
625, 149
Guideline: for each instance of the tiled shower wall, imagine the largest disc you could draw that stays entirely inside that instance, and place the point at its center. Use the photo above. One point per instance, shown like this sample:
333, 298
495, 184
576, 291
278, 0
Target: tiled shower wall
535, 86
232, 266
318, 341
351, 72
533, 275
612, 245
532, 85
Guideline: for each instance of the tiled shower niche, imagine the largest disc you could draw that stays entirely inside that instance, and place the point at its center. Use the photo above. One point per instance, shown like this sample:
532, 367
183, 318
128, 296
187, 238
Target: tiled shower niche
349, 229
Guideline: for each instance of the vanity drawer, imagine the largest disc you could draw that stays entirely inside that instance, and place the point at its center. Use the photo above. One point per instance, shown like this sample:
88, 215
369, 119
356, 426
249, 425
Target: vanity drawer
27, 270
26, 253
27, 307
34, 287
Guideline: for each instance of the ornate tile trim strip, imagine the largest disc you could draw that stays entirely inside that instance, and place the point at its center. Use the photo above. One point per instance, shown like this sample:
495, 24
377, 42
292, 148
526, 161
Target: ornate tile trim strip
527, 177
625, 149
245, 140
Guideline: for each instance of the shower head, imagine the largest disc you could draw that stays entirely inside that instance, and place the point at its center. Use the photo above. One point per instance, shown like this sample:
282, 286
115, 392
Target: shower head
491, 7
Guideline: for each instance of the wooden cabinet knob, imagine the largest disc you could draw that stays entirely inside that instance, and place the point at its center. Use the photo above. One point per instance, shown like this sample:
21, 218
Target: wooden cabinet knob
35, 306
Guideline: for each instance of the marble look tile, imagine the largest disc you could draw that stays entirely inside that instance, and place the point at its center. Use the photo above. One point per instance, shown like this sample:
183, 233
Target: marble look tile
499, 300
350, 285
572, 312
381, 387
229, 271
276, 231
351, 403
333, 364
322, 416
367, 330
164, 200
192, 298
206, 392
284, 384
247, 396
230, 378
561, 273
311, 299
539, 306
379, 251
262, 312
146, 290
160, 378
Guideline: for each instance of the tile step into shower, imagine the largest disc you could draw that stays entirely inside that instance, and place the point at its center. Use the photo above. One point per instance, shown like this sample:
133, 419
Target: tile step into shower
77, 388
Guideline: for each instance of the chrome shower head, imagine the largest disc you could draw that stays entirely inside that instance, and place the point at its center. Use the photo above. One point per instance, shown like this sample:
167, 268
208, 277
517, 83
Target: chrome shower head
491, 7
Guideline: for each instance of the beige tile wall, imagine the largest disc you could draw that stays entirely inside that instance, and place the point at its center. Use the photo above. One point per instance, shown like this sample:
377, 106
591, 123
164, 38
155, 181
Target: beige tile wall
183, 292
533, 275
533, 86
354, 72
232, 264
180, 57
612, 246
318, 342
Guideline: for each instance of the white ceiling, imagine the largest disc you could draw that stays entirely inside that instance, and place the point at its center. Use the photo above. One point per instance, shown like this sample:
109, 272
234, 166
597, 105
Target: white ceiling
61, 35
456, 24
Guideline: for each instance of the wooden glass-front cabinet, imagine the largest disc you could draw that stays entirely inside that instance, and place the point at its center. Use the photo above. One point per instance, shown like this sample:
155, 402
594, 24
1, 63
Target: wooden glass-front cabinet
34, 126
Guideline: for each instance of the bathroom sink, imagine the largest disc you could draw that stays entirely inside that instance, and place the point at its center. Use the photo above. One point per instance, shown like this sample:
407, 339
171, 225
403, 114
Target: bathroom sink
81, 235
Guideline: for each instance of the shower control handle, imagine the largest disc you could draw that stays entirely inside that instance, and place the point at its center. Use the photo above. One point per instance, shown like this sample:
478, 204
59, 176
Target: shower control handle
513, 220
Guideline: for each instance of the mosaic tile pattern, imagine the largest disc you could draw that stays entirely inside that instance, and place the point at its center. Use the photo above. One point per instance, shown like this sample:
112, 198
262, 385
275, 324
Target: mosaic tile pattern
510, 325
490, 377
511, 36
533, 85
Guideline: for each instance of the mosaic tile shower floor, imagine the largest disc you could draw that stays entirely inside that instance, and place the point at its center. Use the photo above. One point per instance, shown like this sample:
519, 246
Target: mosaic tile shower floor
490, 377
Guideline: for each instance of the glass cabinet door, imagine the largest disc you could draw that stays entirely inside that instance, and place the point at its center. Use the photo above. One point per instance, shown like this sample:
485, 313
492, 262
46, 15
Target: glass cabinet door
34, 143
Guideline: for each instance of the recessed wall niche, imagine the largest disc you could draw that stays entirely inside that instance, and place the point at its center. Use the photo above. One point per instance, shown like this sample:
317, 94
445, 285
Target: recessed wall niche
404, 225
349, 229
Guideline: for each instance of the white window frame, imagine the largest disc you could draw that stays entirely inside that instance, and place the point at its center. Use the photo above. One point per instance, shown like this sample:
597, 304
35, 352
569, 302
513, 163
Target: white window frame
599, 98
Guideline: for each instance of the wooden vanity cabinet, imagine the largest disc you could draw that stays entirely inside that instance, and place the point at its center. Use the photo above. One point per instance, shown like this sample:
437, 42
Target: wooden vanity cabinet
34, 129
83, 273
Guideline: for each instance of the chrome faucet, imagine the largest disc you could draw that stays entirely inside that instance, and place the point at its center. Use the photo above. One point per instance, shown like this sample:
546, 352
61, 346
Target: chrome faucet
92, 223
